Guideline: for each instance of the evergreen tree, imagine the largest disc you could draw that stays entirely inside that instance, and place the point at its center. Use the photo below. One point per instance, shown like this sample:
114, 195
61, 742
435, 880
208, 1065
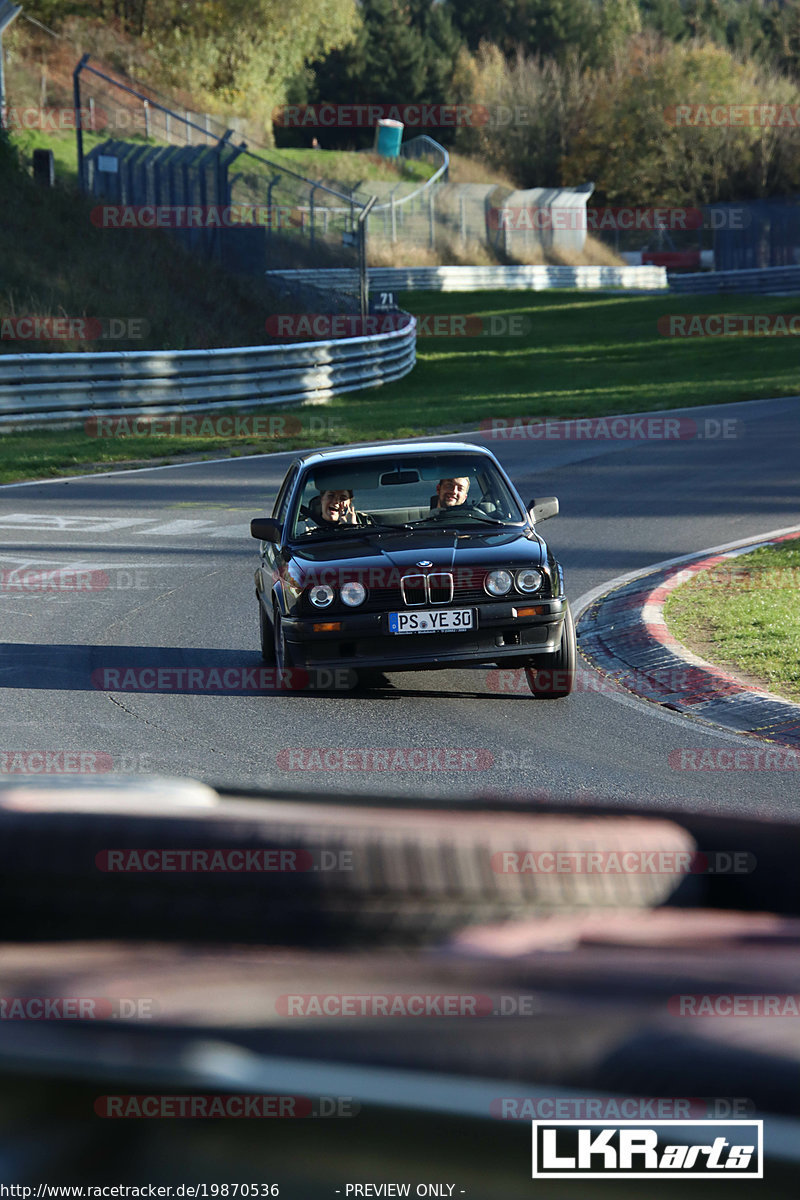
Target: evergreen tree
402, 54
665, 17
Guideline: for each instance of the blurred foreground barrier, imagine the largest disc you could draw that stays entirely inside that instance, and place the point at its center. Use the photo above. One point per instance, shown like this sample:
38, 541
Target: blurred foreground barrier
99, 857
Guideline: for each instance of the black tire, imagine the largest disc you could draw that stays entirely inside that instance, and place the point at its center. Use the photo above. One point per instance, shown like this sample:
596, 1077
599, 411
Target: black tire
265, 631
552, 676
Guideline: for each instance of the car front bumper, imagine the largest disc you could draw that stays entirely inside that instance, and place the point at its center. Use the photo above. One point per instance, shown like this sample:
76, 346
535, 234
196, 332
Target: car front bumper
364, 640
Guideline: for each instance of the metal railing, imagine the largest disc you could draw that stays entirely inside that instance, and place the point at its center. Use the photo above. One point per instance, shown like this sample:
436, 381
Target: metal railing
47, 389
467, 279
763, 281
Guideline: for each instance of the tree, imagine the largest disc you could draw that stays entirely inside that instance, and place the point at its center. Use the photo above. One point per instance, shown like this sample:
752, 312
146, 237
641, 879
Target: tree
638, 152
441, 46
242, 54
665, 17
503, 22
402, 54
536, 105
618, 21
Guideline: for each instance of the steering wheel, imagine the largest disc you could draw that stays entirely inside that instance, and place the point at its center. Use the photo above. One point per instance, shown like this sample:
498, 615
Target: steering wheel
305, 512
439, 513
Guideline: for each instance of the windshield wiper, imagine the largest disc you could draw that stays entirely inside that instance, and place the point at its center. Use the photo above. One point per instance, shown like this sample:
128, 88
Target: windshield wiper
461, 519
336, 532
364, 530
494, 521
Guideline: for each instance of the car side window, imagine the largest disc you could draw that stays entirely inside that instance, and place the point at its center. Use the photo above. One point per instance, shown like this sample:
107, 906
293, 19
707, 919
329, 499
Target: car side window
282, 501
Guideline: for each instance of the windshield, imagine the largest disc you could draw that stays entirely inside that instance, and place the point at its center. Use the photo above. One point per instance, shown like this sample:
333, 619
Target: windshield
387, 495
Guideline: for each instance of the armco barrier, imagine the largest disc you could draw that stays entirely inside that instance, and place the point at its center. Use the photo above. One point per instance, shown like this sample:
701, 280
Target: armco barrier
763, 281
468, 279
44, 389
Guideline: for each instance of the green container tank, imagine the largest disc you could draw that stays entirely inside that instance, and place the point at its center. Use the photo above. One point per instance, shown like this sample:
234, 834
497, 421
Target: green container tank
388, 136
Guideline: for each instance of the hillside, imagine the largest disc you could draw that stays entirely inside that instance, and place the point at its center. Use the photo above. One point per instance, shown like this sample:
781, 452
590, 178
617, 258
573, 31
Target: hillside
55, 263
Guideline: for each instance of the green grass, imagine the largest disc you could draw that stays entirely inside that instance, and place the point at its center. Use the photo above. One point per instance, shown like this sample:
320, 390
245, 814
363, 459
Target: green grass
341, 166
54, 262
584, 355
350, 167
744, 614
63, 145
589, 355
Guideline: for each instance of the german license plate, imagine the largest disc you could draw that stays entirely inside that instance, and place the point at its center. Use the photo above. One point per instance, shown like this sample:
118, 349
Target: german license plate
444, 620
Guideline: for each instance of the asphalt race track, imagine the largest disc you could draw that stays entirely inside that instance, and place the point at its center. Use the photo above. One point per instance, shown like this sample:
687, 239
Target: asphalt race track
170, 561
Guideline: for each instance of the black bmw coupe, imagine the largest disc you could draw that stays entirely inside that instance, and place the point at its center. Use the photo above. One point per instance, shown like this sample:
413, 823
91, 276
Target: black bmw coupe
411, 557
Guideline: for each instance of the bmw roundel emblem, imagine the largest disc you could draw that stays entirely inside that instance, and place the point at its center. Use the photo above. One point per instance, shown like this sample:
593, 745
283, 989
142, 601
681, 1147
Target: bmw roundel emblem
425, 563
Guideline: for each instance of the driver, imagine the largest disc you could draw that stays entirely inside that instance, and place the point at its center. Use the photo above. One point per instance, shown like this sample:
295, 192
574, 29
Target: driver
452, 492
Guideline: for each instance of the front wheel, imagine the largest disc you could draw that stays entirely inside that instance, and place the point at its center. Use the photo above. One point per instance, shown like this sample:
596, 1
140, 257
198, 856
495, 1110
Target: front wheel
552, 676
267, 643
281, 657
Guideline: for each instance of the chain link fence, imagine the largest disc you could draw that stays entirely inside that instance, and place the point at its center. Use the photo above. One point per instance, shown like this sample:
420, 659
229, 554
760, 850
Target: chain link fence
284, 219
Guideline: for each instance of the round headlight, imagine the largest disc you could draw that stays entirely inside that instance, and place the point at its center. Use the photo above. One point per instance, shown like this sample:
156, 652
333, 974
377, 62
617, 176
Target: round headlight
353, 594
321, 595
529, 580
498, 583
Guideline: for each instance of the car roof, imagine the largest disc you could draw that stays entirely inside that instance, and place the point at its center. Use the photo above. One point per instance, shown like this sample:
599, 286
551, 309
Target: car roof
391, 450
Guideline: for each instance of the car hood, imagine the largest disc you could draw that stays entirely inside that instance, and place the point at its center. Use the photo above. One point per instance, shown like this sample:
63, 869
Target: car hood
444, 549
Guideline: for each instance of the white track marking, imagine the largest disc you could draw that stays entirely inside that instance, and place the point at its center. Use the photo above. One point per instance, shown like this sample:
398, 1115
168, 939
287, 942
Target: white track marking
135, 526
78, 524
178, 528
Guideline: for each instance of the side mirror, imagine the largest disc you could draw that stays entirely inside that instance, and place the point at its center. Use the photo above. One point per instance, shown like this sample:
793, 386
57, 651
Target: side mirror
265, 529
540, 510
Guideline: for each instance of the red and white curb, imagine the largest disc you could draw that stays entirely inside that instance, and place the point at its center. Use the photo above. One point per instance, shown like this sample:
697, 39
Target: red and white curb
623, 634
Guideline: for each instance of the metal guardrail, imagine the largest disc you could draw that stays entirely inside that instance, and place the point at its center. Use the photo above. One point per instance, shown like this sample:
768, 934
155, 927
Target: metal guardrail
467, 279
764, 280
47, 389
